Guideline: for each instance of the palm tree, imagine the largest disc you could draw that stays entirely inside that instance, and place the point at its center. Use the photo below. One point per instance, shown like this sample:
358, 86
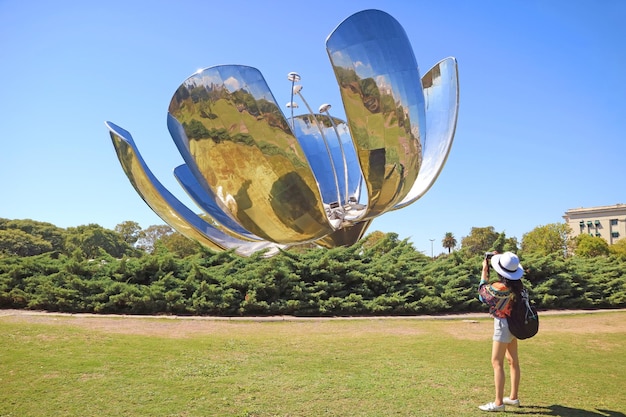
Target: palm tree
449, 241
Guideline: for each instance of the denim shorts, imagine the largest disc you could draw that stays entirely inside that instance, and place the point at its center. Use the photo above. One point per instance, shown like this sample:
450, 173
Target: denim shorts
501, 332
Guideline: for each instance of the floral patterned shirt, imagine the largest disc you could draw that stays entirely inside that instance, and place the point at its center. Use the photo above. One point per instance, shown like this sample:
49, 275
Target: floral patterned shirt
497, 296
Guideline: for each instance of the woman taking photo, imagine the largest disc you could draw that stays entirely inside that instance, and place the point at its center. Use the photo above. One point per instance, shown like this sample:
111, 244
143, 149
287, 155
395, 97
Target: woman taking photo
500, 296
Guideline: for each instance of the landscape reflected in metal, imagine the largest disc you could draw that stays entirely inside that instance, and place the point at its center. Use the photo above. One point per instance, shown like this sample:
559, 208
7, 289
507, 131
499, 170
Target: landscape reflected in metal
266, 181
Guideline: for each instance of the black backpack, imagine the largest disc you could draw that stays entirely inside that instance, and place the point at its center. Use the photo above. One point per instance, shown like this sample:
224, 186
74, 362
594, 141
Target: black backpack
524, 319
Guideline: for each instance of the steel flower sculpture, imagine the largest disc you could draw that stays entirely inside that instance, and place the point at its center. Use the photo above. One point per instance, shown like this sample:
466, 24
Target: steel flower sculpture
266, 181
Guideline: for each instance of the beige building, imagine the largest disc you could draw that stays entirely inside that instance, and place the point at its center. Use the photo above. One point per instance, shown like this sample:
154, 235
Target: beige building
608, 222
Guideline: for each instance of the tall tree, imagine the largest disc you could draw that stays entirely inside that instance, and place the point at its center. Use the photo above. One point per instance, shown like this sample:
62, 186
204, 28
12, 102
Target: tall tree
510, 245
178, 244
449, 242
504, 244
93, 238
618, 248
548, 239
380, 244
151, 235
480, 239
373, 239
590, 246
17, 242
131, 231
46, 231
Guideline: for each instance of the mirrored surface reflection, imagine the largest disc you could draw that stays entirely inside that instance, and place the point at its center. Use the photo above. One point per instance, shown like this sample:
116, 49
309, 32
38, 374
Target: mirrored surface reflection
168, 207
235, 139
266, 181
380, 87
441, 92
340, 187
206, 201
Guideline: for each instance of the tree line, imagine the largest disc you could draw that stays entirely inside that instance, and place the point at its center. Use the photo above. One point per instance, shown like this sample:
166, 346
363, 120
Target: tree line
156, 271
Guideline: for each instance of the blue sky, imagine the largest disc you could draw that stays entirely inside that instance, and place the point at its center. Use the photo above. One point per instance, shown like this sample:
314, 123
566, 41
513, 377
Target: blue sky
540, 129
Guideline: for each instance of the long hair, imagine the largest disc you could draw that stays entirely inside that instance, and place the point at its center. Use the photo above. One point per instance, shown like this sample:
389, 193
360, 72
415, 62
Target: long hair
515, 285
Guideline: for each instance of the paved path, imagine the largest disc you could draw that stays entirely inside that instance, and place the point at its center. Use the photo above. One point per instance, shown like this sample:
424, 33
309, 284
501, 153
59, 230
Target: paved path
461, 316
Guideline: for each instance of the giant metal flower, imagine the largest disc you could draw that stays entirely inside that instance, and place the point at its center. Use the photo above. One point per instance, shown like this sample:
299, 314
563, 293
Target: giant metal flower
266, 181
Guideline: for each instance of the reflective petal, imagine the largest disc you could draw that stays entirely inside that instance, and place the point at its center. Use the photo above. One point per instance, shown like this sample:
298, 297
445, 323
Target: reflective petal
235, 139
381, 91
168, 207
206, 201
441, 91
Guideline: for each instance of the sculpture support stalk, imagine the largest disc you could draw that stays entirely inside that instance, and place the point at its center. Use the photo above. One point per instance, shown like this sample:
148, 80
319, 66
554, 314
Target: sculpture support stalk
324, 109
298, 90
293, 77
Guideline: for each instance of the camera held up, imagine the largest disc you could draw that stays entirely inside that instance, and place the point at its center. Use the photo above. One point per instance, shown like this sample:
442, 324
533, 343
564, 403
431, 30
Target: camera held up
488, 255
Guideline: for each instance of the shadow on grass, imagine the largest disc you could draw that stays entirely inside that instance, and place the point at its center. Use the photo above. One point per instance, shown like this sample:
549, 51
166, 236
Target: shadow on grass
562, 411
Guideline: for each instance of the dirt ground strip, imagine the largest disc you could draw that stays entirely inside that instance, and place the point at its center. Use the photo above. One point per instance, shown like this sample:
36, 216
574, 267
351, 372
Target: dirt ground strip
586, 322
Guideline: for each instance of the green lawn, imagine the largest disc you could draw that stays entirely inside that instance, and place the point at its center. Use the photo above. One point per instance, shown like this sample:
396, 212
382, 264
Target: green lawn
55, 365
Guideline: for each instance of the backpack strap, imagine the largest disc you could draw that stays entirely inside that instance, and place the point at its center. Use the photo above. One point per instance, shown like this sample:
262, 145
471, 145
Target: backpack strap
526, 300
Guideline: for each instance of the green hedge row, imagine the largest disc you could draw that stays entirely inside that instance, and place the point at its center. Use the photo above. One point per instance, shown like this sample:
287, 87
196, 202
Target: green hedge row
388, 279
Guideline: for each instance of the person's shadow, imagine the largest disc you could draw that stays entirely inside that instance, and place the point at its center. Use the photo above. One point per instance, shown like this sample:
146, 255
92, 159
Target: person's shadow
563, 411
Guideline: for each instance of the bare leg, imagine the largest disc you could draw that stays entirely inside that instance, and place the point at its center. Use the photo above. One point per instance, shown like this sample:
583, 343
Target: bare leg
498, 351
512, 358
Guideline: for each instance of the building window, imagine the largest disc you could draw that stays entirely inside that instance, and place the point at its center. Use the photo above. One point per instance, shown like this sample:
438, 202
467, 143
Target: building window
614, 234
613, 222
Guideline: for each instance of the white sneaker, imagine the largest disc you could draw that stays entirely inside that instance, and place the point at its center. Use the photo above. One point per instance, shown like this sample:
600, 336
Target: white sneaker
492, 407
508, 401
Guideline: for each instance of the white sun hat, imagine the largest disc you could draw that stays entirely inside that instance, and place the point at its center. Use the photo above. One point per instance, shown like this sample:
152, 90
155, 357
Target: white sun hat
507, 265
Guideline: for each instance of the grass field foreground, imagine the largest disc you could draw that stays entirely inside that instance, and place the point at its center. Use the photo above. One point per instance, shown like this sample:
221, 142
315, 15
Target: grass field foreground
63, 365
